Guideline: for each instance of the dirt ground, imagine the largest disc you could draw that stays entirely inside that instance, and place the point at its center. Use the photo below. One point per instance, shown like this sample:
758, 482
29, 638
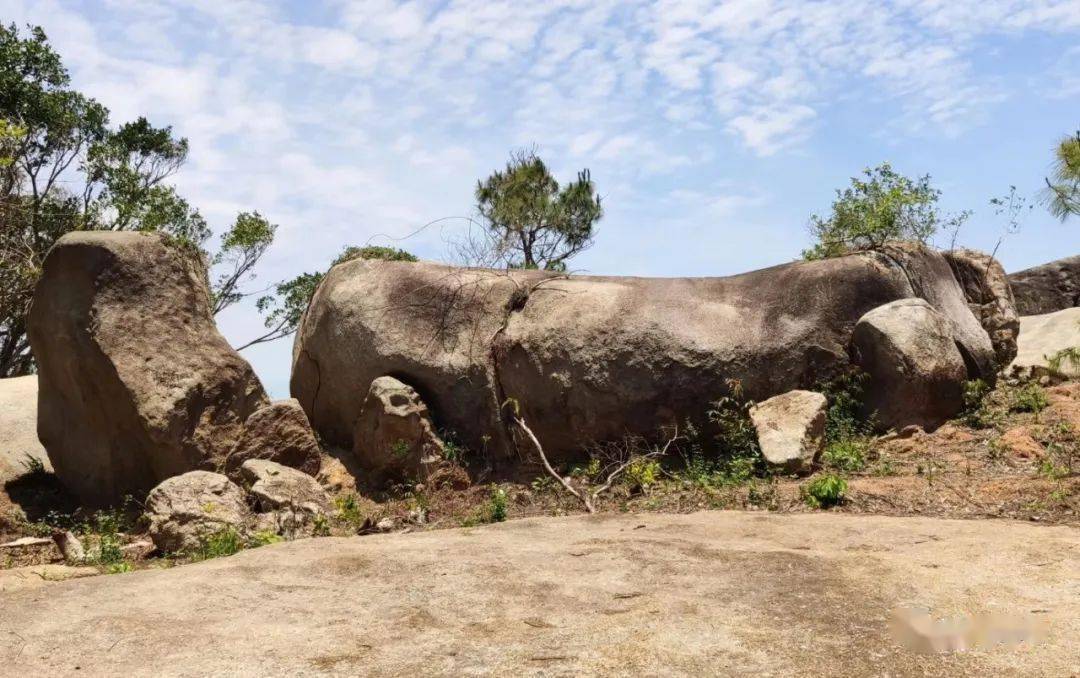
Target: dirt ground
709, 593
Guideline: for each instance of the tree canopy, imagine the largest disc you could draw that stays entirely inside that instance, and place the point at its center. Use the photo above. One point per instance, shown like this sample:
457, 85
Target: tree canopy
533, 223
1062, 191
880, 206
64, 168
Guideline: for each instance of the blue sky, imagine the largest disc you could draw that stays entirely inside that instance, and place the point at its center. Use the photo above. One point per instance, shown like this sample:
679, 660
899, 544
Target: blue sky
712, 129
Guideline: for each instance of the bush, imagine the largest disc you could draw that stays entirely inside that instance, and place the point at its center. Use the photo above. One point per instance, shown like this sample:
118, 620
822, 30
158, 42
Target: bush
224, 542
642, 473
881, 206
825, 491
497, 506
1029, 398
848, 454
373, 252
975, 412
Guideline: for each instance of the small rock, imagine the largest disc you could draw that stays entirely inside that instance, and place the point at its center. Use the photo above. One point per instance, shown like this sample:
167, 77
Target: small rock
334, 476
791, 429
70, 546
185, 509
394, 435
386, 525
279, 432
137, 550
277, 487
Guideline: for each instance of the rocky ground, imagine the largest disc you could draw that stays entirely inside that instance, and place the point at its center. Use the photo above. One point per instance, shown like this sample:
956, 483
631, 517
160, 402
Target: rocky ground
709, 593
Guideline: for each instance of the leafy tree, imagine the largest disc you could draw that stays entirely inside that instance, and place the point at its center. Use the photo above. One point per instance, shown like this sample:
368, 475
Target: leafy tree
63, 168
532, 222
284, 308
881, 206
241, 248
1062, 193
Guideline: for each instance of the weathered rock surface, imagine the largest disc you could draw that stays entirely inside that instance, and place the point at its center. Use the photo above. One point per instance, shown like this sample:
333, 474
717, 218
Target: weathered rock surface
18, 427
990, 297
1042, 336
185, 509
916, 369
279, 487
394, 433
279, 432
1047, 288
596, 358
136, 384
575, 596
791, 429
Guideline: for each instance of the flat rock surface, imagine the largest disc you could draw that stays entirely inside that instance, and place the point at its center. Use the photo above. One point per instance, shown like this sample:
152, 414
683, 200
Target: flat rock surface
711, 593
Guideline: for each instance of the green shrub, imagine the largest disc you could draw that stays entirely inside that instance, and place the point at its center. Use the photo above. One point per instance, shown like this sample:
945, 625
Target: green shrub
265, 538
848, 454
497, 506
642, 473
1029, 398
1064, 362
373, 252
224, 542
975, 412
825, 491
348, 510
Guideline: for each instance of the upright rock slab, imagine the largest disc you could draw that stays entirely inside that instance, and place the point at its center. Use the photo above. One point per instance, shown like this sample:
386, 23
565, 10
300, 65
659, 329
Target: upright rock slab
791, 429
990, 298
394, 434
915, 366
136, 385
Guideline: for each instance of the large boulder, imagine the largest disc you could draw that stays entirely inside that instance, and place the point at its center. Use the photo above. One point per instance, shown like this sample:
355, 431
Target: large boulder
990, 298
394, 434
916, 369
187, 509
278, 432
791, 429
1048, 287
135, 383
597, 358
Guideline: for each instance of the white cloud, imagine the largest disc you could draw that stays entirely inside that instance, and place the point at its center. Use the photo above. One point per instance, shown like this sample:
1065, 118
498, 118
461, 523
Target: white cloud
767, 130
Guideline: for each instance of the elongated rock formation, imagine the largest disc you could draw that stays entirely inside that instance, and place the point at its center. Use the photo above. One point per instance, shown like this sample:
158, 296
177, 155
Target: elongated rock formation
596, 358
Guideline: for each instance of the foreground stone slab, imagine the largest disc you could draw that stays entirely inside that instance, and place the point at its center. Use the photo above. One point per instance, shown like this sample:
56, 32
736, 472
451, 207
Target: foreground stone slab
707, 594
136, 383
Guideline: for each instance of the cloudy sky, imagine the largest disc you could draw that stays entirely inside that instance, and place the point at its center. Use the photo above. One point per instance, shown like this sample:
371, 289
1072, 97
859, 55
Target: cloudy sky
712, 129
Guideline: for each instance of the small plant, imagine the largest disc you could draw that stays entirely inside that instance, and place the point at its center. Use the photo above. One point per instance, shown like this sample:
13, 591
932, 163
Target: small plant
1064, 362
497, 505
400, 449
119, 568
348, 510
825, 491
589, 471
224, 542
975, 412
1062, 450
762, 494
848, 454
33, 465
641, 474
265, 538
1029, 398
543, 484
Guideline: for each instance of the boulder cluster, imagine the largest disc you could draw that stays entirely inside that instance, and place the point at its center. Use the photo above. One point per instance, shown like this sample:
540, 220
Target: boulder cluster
140, 395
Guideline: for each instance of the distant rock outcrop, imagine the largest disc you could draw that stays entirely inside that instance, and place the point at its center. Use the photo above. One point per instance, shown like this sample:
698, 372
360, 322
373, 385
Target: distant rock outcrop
1047, 288
1041, 338
598, 358
136, 384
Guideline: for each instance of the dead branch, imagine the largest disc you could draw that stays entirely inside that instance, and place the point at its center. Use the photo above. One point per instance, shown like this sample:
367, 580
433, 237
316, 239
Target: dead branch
586, 496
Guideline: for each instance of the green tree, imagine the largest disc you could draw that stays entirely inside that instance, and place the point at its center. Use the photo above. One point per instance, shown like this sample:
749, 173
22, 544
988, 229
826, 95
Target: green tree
1062, 192
242, 246
881, 206
531, 221
63, 168
284, 307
